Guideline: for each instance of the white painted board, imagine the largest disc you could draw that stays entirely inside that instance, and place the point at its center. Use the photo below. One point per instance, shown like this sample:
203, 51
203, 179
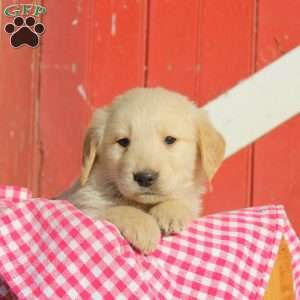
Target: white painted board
258, 104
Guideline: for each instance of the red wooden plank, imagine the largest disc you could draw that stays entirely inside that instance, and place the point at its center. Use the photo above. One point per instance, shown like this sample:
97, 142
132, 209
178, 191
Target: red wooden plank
202, 48
277, 161
62, 106
17, 109
90, 54
226, 55
118, 53
278, 30
172, 47
277, 169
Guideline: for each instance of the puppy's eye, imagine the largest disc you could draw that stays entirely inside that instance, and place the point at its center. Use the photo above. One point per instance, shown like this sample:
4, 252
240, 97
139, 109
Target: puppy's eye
124, 142
169, 140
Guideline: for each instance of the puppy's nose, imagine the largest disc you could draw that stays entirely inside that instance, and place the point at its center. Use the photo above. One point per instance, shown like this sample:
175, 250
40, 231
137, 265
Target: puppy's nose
145, 178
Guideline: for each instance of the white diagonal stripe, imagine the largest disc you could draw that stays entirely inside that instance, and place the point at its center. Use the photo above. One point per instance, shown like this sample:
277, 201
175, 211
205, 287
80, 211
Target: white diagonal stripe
258, 104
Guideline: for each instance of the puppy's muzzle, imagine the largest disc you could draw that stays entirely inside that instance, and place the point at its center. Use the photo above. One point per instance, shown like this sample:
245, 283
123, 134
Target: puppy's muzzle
145, 178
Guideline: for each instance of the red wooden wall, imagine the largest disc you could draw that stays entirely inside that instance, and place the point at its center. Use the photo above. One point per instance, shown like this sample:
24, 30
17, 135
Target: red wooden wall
94, 50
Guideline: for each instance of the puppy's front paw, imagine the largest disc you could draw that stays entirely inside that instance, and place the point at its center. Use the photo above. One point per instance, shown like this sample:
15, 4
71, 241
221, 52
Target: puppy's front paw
140, 229
144, 236
171, 216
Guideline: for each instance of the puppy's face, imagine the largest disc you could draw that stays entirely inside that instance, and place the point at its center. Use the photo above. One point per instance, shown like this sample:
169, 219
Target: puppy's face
148, 145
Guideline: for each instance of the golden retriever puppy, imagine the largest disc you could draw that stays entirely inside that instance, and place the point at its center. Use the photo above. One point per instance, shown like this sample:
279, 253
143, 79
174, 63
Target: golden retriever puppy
146, 160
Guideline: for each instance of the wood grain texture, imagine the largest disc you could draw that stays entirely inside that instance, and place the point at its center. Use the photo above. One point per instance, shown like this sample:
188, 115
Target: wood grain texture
18, 98
277, 169
225, 56
98, 53
172, 45
117, 57
277, 161
64, 102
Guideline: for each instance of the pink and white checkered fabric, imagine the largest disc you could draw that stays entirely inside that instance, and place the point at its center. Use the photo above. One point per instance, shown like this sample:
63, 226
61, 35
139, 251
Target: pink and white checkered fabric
50, 250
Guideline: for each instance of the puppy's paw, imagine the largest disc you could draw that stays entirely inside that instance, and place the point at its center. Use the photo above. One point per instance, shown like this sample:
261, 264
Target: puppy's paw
171, 216
144, 236
140, 229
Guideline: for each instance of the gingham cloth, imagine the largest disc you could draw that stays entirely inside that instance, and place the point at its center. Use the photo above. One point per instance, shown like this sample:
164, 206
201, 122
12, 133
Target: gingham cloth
50, 250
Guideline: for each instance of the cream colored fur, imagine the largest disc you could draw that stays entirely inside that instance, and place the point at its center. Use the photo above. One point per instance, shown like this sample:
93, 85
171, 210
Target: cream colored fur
146, 116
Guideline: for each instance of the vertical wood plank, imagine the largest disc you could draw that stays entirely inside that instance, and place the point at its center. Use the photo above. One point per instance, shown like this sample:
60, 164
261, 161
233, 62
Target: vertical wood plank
18, 90
90, 54
63, 97
202, 48
226, 56
118, 52
172, 45
277, 160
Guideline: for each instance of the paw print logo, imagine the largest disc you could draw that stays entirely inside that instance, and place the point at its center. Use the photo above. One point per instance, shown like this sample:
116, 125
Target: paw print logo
26, 32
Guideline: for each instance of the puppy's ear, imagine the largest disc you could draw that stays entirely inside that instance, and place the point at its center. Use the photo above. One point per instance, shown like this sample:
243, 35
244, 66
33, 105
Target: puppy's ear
92, 140
211, 145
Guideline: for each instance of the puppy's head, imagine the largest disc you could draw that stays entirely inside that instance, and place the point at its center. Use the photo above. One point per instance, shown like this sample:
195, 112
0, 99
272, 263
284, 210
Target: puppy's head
152, 145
